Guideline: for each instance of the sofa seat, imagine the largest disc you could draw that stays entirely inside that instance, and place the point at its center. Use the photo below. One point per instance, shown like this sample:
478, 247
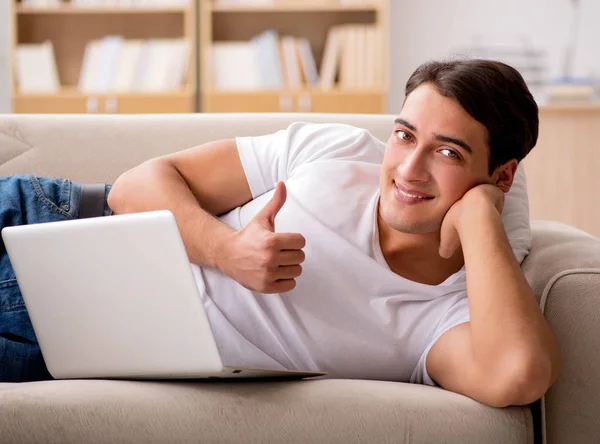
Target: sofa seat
309, 411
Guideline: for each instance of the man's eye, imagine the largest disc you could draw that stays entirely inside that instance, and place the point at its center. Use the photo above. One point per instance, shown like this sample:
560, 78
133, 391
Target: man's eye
451, 154
403, 135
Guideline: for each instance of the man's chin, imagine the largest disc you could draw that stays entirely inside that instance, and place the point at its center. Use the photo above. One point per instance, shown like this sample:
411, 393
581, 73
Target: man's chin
416, 228
404, 225
409, 225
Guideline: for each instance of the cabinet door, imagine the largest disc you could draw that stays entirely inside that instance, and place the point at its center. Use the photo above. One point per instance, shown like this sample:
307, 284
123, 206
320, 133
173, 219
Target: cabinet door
47, 104
149, 103
354, 102
248, 102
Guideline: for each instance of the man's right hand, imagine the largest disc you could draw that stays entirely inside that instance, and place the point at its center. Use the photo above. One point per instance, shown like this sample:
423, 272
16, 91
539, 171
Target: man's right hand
260, 259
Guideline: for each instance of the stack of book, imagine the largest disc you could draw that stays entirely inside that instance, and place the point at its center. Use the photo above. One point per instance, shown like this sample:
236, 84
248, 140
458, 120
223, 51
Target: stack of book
571, 89
117, 65
352, 59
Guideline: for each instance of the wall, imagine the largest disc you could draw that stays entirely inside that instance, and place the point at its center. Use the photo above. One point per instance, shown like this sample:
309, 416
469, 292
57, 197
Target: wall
427, 29
4, 42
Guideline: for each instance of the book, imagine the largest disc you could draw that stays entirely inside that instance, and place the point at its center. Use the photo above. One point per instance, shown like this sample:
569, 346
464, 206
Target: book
90, 66
291, 63
129, 58
36, 70
331, 58
107, 65
566, 92
180, 60
360, 63
116, 65
235, 66
307, 62
349, 57
269, 60
154, 78
379, 57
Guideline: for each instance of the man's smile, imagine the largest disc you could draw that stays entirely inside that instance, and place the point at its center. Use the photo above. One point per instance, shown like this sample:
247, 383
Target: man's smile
410, 197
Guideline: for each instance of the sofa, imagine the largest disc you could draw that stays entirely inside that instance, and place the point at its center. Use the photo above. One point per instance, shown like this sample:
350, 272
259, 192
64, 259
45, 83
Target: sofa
563, 269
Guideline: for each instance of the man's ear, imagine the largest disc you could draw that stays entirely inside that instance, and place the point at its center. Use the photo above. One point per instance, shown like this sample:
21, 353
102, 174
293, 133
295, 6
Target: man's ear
504, 175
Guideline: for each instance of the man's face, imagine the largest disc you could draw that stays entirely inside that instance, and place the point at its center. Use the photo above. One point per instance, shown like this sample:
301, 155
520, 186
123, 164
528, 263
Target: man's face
436, 153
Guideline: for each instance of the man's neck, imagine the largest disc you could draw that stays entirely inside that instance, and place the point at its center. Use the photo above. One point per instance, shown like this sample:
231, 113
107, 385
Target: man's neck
416, 256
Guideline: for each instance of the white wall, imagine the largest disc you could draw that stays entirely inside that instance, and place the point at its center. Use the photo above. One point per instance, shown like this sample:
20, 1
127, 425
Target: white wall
426, 29
4, 42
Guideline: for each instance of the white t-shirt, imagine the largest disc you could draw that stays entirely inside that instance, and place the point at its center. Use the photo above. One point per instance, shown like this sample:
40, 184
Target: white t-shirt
349, 314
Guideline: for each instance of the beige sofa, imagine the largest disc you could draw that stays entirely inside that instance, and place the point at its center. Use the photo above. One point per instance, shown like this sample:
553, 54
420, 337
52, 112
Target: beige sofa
563, 268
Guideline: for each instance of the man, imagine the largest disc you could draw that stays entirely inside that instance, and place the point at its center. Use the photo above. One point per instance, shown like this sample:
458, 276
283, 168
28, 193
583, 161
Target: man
334, 252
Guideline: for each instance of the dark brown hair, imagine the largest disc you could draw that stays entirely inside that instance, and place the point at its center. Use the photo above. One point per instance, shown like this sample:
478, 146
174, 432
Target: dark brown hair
495, 95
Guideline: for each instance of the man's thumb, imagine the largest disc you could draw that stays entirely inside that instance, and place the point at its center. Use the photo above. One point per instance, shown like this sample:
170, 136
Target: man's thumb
268, 213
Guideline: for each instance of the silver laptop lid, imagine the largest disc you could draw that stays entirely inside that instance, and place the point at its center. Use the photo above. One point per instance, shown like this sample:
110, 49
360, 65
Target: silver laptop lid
113, 297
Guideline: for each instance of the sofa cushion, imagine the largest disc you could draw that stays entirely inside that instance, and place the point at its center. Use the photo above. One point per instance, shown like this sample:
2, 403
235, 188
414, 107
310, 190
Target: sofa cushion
318, 411
102, 147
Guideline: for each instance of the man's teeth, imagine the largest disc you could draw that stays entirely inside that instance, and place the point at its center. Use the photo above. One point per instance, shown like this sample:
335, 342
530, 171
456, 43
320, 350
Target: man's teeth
410, 195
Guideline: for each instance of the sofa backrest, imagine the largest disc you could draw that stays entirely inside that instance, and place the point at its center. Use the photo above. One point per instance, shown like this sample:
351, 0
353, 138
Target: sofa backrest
99, 148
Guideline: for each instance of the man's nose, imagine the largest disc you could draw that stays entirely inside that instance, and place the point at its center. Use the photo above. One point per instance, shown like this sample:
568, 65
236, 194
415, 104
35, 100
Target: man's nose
414, 167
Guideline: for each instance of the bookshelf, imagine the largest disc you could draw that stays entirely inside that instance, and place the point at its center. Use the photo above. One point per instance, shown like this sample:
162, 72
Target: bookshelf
310, 19
70, 28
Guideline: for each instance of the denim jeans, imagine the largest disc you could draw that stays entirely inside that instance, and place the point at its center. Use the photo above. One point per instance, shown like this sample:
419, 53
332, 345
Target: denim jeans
28, 200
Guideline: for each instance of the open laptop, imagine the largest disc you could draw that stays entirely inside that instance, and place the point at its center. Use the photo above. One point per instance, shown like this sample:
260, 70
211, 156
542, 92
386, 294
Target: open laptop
115, 297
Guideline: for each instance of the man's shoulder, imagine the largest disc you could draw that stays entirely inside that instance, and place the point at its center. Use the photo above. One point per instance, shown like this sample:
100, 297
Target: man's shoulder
333, 141
326, 129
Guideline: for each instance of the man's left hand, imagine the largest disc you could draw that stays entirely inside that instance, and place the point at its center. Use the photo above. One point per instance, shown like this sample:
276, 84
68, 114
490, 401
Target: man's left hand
481, 198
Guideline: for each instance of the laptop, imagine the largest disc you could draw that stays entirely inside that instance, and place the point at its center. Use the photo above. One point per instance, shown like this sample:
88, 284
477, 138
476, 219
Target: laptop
116, 297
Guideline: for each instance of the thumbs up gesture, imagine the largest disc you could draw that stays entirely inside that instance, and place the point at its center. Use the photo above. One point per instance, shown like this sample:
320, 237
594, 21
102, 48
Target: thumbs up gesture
261, 259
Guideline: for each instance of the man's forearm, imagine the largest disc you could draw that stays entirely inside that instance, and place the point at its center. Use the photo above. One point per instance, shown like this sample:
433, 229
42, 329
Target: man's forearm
156, 185
507, 325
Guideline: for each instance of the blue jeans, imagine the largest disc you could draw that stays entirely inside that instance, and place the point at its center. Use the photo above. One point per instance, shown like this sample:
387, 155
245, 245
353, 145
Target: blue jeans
28, 200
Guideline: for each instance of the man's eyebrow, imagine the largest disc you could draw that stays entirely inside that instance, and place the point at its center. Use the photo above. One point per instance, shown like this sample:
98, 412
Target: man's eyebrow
439, 137
410, 126
458, 142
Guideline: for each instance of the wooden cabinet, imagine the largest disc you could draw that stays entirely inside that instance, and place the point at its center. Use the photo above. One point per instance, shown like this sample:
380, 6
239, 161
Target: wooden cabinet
310, 19
70, 28
562, 170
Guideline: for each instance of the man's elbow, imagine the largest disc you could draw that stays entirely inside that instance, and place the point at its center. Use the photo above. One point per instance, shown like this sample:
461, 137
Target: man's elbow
131, 185
117, 197
521, 382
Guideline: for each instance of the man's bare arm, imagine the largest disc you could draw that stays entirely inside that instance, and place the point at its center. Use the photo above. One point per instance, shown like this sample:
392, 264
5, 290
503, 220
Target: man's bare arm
506, 355
194, 185
199, 183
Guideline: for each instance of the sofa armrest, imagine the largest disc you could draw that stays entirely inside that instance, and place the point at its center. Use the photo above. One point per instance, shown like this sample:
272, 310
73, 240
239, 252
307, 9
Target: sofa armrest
563, 268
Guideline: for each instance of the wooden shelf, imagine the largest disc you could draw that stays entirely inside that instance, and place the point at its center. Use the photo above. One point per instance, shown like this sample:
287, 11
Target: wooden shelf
70, 100
69, 9
333, 92
73, 92
310, 20
71, 28
593, 106
370, 101
299, 6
